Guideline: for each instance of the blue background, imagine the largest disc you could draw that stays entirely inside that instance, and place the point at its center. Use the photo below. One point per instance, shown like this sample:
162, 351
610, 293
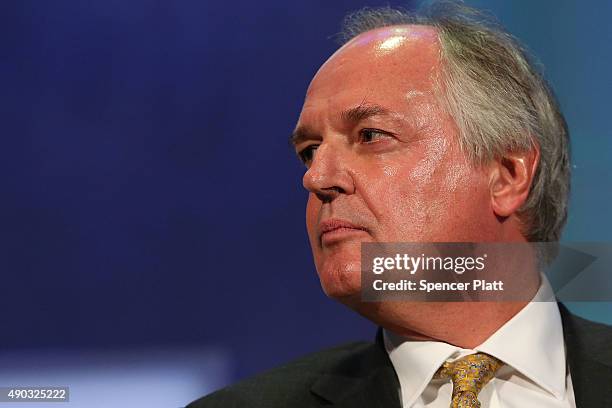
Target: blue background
150, 197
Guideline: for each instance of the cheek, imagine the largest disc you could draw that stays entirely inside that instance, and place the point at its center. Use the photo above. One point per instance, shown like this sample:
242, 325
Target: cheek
407, 190
426, 199
449, 204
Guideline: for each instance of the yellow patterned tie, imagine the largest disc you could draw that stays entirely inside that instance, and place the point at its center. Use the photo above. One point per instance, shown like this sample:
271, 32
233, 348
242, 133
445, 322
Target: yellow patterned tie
469, 375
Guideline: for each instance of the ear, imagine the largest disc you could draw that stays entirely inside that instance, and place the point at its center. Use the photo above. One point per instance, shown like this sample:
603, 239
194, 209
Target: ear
511, 177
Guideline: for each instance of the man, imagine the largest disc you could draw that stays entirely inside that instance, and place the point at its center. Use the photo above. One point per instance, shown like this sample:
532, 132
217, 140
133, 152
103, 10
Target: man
435, 129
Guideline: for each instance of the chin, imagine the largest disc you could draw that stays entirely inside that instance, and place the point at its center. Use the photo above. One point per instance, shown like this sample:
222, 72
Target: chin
340, 280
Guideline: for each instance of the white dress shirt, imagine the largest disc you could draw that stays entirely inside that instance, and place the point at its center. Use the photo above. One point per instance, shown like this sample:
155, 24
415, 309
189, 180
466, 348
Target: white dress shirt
530, 344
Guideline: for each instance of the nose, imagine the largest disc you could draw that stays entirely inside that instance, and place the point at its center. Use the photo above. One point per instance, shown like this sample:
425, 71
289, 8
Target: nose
328, 175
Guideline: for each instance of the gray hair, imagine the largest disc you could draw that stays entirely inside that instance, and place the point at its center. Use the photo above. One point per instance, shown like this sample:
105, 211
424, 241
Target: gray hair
499, 100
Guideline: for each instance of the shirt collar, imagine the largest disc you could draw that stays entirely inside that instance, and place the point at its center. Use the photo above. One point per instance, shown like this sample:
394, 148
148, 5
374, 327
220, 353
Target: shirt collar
531, 342
415, 363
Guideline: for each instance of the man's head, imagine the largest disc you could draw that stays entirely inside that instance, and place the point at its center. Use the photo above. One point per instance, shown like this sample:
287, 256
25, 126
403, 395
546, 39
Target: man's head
427, 130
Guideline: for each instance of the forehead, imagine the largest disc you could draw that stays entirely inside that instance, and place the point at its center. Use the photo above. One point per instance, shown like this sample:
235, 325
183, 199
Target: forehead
388, 65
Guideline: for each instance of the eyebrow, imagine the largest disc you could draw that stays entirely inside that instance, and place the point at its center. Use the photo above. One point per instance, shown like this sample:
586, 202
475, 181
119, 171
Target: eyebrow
362, 112
300, 134
352, 116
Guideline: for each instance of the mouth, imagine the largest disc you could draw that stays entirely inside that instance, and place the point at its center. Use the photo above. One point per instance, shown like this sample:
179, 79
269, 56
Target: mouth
335, 230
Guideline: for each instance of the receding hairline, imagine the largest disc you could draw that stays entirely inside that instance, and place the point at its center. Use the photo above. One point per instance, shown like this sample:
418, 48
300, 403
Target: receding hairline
432, 38
381, 34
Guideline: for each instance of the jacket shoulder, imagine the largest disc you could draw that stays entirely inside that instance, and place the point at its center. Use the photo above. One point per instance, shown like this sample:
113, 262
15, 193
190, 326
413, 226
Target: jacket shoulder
588, 337
287, 385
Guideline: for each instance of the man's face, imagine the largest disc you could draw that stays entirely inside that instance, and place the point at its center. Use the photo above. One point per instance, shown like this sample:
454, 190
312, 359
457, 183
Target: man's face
383, 158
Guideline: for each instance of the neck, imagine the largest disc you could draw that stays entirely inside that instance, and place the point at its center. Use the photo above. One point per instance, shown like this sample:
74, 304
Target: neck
446, 322
485, 319
463, 324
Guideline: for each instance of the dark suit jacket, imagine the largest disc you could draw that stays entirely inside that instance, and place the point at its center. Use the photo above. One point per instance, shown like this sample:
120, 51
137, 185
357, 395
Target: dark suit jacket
361, 375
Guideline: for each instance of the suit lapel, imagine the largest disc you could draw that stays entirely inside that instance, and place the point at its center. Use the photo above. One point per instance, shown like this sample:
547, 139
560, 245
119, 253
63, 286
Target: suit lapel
589, 358
366, 380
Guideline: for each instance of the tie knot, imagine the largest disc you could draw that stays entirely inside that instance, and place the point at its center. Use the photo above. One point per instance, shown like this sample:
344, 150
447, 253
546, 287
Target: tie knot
469, 375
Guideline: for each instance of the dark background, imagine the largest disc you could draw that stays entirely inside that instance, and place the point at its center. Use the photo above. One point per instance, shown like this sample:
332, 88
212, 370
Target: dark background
150, 197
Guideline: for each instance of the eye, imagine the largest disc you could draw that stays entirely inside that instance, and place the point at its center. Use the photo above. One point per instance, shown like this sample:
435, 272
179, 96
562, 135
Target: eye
372, 135
307, 154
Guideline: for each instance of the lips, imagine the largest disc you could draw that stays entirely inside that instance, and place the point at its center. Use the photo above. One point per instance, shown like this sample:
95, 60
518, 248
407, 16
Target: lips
334, 224
334, 229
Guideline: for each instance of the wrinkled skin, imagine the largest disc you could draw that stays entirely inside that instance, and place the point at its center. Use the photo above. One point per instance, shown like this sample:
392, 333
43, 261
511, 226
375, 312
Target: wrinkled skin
383, 155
